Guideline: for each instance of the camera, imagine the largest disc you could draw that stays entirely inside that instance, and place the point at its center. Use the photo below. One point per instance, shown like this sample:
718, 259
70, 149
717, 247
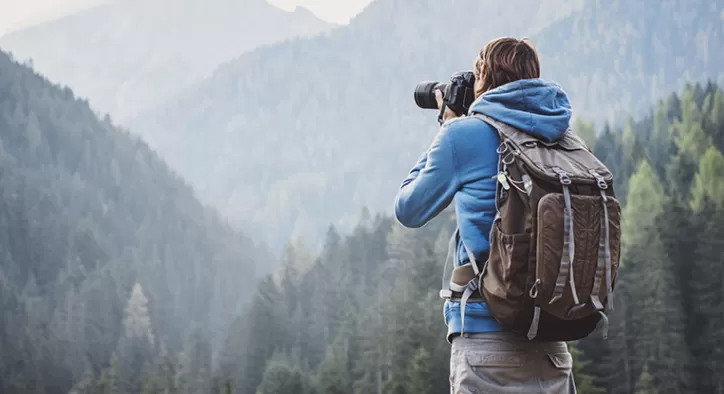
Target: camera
458, 94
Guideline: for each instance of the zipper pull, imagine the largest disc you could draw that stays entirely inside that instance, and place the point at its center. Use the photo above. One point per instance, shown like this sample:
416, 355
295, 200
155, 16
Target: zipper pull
599, 180
527, 184
503, 180
562, 175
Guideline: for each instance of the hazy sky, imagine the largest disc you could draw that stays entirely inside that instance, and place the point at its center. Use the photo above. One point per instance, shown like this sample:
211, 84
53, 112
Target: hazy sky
15, 14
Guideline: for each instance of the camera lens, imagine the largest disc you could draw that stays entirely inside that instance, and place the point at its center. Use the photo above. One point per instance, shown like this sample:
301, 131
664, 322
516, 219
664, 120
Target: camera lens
425, 95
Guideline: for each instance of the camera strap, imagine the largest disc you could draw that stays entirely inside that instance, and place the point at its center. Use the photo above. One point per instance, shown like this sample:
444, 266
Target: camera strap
440, 116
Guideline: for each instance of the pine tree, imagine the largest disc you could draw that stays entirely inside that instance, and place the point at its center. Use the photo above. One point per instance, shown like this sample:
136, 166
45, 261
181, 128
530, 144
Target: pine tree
658, 324
586, 131
282, 377
644, 204
196, 362
645, 384
137, 322
136, 345
419, 377
615, 368
87, 384
260, 338
659, 147
714, 124
584, 381
334, 374
110, 381
709, 181
707, 288
691, 142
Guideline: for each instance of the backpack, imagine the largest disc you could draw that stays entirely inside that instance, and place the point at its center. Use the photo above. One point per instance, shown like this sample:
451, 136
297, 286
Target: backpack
554, 243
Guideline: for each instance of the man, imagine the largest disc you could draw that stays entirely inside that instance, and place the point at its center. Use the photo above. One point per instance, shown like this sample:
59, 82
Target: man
462, 164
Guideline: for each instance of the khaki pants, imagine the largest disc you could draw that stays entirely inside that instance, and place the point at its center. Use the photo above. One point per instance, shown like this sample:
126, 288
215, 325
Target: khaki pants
501, 363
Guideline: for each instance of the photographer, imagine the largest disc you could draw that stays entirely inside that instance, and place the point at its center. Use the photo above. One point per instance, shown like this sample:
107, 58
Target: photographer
462, 163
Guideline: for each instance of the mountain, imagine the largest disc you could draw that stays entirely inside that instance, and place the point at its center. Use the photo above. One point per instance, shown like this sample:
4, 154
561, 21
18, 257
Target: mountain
299, 134
620, 57
88, 212
33, 12
129, 55
296, 135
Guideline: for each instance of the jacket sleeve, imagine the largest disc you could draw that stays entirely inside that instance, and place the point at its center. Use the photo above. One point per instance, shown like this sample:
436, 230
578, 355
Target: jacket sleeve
431, 184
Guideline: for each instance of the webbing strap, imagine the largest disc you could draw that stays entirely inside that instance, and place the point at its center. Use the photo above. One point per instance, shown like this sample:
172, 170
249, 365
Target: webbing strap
607, 253
533, 330
604, 259
471, 287
605, 324
476, 270
456, 287
469, 290
567, 256
601, 263
445, 291
571, 243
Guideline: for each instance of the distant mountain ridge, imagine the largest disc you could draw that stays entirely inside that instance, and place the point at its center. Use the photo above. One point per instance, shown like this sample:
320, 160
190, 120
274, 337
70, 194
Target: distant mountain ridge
297, 135
127, 56
300, 134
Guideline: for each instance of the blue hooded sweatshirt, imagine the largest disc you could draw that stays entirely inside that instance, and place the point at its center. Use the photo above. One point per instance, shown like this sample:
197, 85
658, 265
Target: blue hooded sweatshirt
461, 164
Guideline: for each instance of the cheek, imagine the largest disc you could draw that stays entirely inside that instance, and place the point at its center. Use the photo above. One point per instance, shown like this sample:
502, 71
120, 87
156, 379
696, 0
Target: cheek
478, 87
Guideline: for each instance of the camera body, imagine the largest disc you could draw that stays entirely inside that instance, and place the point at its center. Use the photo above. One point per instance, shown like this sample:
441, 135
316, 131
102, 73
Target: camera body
458, 94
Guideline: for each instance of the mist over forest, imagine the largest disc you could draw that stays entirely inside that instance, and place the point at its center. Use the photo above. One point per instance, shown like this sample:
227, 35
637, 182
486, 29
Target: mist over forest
196, 196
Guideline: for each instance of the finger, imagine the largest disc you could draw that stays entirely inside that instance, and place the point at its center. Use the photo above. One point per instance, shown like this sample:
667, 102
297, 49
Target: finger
449, 114
438, 97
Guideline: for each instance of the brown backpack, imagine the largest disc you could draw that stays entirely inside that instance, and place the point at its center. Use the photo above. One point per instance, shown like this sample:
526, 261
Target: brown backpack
554, 244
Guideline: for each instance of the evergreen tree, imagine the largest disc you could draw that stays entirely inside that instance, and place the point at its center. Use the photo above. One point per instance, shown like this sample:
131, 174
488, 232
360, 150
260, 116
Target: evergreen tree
709, 182
707, 282
87, 384
334, 373
259, 338
136, 345
110, 380
645, 384
584, 382
419, 376
196, 363
282, 377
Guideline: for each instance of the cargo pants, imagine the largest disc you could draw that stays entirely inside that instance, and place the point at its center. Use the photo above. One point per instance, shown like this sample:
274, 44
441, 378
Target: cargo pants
502, 363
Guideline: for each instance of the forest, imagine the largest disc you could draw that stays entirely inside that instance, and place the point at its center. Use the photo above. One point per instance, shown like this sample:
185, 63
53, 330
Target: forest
89, 213
364, 315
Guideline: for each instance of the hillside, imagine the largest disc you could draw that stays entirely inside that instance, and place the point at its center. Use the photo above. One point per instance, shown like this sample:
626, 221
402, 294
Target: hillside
619, 57
128, 55
296, 135
86, 212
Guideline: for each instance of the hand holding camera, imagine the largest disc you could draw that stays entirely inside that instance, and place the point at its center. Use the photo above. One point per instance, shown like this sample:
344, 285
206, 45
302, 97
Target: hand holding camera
453, 99
449, 114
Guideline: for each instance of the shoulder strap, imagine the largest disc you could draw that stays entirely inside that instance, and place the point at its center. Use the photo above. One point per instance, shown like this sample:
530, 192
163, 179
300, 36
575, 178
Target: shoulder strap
569, 140
505, 131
